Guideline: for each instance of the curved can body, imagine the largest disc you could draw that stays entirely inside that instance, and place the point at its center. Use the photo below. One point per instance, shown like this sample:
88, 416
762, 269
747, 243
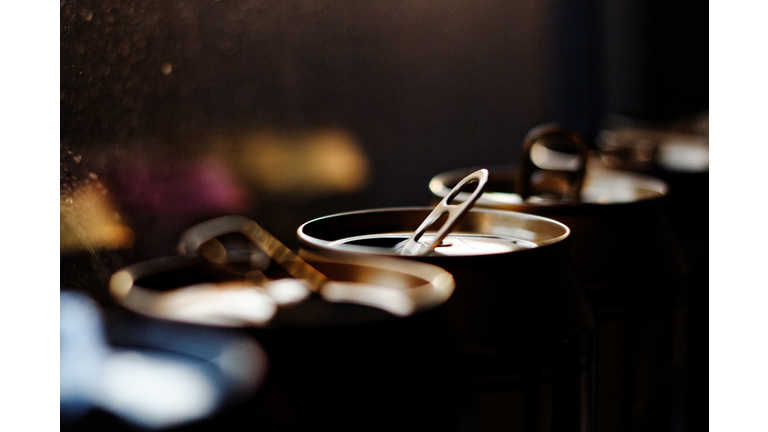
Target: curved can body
679, 155
338, 359
628, 257
519, 317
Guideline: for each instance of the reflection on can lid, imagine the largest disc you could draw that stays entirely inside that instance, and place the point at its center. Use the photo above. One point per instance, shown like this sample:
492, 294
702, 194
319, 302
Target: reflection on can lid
602, 186
458, 244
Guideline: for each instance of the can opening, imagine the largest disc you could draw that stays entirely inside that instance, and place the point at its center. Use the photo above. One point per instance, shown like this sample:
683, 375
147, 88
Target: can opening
458, 244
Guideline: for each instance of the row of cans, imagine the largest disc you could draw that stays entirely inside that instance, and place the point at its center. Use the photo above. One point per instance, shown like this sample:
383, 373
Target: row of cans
557, 303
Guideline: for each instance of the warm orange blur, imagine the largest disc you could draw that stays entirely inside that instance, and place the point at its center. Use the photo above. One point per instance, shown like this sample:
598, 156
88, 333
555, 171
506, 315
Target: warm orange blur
89, 221
302, 162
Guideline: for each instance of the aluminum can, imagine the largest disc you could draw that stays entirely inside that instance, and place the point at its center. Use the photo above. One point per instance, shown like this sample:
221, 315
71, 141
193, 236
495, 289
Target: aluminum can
677, 153
335, 361
631, 263
519, 317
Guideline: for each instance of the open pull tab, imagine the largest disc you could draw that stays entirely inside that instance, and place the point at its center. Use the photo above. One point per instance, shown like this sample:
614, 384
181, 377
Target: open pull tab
412, 247
555, 170
203, 239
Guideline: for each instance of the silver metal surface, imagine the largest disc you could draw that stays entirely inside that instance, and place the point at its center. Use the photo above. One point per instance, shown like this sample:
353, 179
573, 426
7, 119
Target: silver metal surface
564, 171
455, 212
377, 231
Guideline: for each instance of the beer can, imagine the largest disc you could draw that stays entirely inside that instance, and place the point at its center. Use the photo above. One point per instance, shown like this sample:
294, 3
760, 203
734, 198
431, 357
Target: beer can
625, 251
365, 353
519, 317
677, 153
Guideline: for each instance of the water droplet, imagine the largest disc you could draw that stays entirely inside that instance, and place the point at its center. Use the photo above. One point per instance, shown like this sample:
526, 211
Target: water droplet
166, 68
78, 158
86, 14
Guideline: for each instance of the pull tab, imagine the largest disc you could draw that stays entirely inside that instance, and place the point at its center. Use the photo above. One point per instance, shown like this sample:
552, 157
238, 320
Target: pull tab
412, 246
559, 173
201, 239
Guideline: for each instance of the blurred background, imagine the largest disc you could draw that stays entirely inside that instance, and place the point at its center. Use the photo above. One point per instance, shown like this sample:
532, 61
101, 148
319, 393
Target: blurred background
174, 112
288, 110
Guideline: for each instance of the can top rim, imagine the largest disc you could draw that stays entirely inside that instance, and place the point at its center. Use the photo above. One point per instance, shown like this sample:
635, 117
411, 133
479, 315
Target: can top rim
602, 187
333, 232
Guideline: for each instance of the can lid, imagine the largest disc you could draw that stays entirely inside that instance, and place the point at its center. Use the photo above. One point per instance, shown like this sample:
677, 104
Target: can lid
646, 148
601, 186
383, 231
459, 244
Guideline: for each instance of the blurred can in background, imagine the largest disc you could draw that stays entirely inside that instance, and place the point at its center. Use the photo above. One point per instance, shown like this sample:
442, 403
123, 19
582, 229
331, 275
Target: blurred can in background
627, 254
678, 153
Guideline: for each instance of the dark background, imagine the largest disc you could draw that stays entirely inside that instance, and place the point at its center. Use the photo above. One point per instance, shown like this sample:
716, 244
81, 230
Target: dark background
422, 86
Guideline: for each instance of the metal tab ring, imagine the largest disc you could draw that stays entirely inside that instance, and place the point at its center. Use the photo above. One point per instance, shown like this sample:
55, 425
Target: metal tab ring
196, 237
412, 247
